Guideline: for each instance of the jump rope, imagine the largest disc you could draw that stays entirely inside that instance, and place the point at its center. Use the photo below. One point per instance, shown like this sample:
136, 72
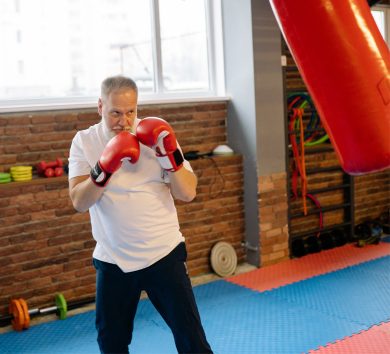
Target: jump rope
296, 123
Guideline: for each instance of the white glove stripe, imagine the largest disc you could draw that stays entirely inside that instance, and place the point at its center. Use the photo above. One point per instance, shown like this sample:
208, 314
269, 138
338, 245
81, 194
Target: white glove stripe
165, 162
160, 142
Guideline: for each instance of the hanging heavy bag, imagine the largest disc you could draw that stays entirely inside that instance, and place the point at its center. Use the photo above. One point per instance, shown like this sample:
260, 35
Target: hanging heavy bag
345, 65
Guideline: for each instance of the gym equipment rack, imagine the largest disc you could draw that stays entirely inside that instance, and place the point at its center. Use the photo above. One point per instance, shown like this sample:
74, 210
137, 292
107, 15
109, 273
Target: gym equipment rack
347, 184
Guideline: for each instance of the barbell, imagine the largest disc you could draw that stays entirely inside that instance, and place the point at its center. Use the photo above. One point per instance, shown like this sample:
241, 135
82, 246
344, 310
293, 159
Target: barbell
19, 314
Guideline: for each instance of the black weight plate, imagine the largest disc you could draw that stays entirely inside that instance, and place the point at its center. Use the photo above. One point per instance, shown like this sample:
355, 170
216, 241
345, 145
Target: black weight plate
314, 244
299, 248
328, 241
340, 237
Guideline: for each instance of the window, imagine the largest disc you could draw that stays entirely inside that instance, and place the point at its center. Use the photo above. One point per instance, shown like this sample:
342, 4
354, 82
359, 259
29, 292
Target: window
69, 47
382, 18
20, 67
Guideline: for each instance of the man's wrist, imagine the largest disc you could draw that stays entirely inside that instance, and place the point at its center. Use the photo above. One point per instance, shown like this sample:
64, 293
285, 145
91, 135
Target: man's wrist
171, 162
99, 176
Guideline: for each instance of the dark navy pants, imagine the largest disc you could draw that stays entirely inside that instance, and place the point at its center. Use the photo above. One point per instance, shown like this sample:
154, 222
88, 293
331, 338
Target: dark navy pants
169, 289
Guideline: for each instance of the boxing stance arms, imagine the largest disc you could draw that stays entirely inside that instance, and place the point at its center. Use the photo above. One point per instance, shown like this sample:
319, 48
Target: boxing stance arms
86, 190
158, 135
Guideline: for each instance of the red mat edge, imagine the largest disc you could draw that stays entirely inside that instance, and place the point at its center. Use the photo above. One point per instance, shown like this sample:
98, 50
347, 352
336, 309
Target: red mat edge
330, 347
237, 279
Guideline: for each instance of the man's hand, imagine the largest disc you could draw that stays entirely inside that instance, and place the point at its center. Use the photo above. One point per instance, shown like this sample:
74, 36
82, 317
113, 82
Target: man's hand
124, 146
158, 134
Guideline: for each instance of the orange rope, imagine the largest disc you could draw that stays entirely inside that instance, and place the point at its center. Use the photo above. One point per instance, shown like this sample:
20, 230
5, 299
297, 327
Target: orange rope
304, 181
300, 161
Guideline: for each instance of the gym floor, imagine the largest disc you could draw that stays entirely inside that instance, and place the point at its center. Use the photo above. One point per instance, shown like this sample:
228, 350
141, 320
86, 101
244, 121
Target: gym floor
336, 301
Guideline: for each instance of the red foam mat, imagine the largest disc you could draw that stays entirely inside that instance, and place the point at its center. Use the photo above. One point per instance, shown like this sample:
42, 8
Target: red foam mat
272, 277
376, 340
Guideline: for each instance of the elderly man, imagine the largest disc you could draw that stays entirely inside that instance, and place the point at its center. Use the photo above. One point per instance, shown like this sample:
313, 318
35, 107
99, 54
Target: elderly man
124, 171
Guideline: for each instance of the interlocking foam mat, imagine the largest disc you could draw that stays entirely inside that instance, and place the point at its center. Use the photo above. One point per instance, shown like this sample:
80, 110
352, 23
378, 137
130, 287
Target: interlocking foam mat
330, 302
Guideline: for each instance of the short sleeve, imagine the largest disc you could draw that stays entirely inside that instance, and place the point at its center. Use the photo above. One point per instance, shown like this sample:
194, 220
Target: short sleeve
78, 163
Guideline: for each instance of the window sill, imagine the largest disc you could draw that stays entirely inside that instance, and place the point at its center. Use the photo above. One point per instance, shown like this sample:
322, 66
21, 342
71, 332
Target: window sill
92, 103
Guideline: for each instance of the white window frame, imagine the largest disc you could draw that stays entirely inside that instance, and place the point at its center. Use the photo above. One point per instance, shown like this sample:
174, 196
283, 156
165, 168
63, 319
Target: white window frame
216, 90
386, 11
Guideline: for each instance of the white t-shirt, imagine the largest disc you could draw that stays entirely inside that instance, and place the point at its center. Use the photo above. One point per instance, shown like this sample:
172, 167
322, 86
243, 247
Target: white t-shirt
135, 221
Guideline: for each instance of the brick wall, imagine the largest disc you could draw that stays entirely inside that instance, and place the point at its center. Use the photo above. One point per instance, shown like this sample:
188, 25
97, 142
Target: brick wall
372, 196
216, 214
27, 139
46, 245
273, 208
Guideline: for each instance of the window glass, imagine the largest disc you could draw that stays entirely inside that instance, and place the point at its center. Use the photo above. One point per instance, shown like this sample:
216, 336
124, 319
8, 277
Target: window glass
65, 48
184, 45
379, 17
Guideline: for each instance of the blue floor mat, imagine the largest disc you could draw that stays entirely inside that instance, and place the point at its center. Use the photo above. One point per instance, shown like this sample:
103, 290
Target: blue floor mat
239, 325
208, 296
76, 334
386, 239
380, 266
353, 293
265, 324
291, 319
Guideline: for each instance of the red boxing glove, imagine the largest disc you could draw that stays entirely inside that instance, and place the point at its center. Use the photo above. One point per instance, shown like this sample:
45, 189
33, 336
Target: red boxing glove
158, 134
124, 146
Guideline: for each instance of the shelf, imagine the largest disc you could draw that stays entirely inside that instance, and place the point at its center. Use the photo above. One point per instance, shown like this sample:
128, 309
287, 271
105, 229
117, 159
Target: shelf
64, 178
332, 188
291, 68
321, 170
326, 189
321, 210
316, 231
313, 150
35, 180
307, 131
306, 110
296, 89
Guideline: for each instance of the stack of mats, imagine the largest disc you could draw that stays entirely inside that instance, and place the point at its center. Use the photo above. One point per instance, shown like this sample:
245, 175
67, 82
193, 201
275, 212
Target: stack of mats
5, 177
21, 173
336, 301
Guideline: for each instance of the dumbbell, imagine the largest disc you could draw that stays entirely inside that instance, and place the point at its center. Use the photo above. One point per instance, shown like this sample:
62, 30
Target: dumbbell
42, 166
20, 314
58, 172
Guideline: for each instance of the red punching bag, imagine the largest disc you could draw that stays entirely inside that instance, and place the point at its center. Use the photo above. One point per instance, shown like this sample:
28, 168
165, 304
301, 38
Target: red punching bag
345, 64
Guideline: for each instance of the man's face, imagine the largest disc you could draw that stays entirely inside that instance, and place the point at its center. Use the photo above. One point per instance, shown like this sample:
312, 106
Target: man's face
118, 111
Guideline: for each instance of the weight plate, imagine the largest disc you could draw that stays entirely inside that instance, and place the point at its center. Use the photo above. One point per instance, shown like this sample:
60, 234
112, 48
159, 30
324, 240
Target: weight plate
299, 248
26, 314
20, 179
314, 244
4, 175
16, 309
62, 305
21, 169
223, 259
21, 174
340, 237
5, 180
328, 241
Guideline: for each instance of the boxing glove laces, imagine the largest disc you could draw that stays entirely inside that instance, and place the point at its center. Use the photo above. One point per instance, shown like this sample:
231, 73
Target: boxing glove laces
124, 146
157, 134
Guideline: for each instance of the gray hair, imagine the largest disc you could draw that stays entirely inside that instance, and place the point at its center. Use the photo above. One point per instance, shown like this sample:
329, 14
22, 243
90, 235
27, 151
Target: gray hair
116, 84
